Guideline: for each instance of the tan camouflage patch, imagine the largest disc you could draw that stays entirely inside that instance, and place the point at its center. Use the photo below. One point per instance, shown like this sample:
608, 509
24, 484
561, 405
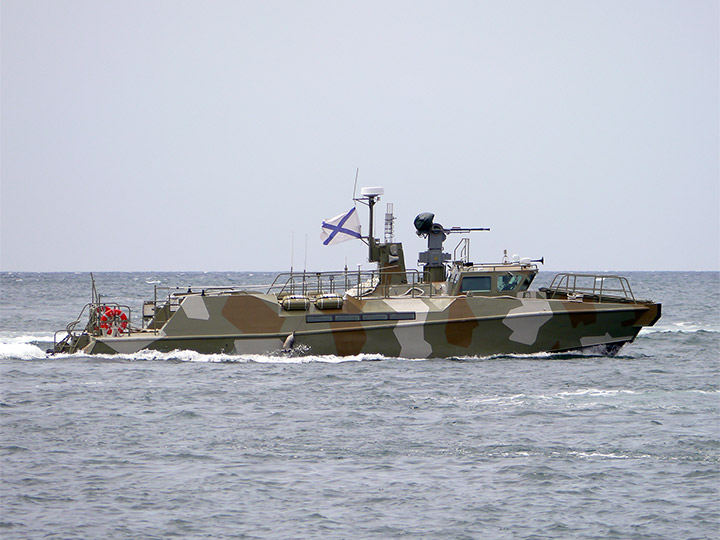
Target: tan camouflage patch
526, 320
195, 308
352, 305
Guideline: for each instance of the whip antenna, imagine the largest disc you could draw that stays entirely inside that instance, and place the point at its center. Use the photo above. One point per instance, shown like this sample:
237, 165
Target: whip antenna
305, 267
357, 172
292, 251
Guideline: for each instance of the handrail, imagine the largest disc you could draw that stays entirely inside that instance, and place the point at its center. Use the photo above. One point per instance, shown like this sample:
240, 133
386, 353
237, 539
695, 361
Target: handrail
498, 267
464, 247
567, 283
313, 284
352, 282
344, 282
91, 326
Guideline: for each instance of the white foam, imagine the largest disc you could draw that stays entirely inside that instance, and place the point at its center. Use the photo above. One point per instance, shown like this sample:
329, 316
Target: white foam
595, 392
679, 328
17, 337
516, 399
23, 351
24, 345
586, 351
605, 455
193, 356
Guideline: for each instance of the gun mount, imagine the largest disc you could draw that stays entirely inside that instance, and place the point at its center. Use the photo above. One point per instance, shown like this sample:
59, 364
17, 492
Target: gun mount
434, 259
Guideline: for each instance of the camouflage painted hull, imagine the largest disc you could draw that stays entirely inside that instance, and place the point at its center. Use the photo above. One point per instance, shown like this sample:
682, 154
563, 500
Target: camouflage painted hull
435, 327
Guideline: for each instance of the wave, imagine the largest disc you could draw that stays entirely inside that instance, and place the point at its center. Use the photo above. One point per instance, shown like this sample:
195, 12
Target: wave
587, 352
28, 337
24, 350
681, 328
21, 351
31, 346
25, 345
594, 392
579, 393
193, 356
32, 351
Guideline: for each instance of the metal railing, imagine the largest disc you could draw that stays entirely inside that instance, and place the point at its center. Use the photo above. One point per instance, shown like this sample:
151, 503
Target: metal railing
600, 286
353, 283
463, 247
310, 284
93, 325
347, 282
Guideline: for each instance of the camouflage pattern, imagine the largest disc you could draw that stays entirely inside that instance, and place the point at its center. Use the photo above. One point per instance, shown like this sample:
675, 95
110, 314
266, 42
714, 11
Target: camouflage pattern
433, 326
448, 310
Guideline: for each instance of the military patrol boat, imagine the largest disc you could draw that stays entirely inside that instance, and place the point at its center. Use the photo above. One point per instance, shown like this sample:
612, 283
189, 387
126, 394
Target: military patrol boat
451, 307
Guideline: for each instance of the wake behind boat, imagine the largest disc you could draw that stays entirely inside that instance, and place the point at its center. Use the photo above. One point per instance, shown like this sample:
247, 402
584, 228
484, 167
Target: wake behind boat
451, 307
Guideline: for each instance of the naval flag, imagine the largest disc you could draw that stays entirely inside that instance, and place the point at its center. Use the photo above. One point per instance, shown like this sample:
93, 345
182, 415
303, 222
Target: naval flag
341, 228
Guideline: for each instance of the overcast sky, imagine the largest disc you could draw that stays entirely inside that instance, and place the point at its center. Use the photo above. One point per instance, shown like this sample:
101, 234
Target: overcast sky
204, 135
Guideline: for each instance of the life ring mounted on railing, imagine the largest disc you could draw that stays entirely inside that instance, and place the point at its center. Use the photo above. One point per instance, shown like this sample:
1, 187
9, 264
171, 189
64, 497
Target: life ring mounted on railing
111, 321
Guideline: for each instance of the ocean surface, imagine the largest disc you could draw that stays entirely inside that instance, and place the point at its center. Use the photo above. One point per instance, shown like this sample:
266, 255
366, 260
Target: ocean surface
184, 445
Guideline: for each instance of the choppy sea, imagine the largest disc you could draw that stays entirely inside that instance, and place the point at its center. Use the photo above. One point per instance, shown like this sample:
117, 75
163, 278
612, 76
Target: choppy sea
184, 445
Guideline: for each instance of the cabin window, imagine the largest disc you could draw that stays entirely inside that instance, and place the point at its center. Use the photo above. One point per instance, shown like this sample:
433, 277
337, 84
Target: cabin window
319, 318
347, 318
528, 281
475, 284
375, 316
508, 282
352, 317
402, 316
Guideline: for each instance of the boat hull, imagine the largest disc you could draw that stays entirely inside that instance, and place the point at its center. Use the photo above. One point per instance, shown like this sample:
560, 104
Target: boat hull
438, 327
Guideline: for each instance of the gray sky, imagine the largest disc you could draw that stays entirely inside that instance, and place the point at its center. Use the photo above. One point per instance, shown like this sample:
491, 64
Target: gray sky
189, 135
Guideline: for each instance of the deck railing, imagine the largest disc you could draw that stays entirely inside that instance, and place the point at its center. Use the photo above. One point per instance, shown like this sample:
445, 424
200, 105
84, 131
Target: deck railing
93, 326
354, 283
310, 284
599, 286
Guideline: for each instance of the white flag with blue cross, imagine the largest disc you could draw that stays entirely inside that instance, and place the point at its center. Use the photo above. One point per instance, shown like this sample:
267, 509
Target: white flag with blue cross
341, 228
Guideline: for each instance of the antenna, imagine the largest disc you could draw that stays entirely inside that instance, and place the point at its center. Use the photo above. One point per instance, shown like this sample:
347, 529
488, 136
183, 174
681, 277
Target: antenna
292, 252
357, 172
94, 290
306, 242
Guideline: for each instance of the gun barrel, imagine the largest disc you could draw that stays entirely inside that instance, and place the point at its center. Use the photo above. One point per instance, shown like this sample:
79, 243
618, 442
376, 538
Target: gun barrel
465, 229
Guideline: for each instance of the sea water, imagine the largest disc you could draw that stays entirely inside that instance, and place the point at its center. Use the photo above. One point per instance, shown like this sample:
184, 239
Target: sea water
184, 445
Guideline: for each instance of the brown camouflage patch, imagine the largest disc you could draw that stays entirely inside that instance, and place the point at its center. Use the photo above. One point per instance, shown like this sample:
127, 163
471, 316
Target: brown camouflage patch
645, 317
580, 314
251, 315
460, 333
348, 342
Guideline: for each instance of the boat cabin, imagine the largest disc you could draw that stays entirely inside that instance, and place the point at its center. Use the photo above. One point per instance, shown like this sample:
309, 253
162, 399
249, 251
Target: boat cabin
503, 279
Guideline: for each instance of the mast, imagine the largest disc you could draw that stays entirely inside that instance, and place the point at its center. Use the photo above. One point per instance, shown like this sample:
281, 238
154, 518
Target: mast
369, 196
388, 254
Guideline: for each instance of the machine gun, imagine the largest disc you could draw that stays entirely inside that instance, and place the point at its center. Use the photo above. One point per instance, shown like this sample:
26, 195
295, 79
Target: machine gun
434, 259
